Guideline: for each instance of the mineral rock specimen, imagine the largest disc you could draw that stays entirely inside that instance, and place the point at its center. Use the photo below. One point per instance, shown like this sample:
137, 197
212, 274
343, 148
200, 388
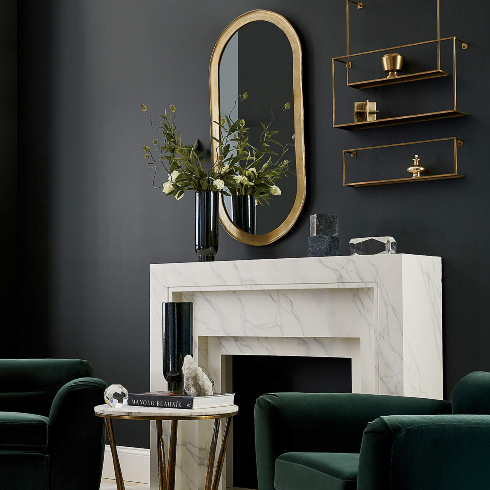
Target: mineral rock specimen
196, 383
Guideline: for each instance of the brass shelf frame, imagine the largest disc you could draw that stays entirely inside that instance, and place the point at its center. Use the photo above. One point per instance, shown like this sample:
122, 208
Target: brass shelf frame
454, 112
354, 151
347, 60
409, 77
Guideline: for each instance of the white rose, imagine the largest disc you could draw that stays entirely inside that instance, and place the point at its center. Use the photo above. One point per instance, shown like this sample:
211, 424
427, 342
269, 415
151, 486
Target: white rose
219, 184
275, 191
174, 175
226, 168
168, 187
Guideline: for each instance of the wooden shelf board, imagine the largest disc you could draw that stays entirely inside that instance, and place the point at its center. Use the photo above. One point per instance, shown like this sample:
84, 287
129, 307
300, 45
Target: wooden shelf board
405, 180
429, 116
423, 75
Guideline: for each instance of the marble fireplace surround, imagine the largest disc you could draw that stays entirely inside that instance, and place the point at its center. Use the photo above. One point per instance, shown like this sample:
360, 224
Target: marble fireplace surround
384, 312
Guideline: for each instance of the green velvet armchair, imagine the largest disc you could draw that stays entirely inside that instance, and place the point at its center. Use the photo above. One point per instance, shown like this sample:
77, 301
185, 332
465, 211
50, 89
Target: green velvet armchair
336, 441
50, 438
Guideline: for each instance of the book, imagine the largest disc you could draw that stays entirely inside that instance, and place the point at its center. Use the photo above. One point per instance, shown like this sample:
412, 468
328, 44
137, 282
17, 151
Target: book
164, 399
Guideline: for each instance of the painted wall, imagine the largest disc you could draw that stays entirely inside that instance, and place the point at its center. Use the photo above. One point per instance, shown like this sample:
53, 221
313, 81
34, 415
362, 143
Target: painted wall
90, 222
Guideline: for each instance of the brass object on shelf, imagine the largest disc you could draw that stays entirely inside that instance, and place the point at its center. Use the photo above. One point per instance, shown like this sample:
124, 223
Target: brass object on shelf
355, 153
392, 64
416, 168
365, 111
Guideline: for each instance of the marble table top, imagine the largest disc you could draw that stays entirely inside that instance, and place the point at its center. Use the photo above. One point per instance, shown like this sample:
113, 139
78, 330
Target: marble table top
151, 413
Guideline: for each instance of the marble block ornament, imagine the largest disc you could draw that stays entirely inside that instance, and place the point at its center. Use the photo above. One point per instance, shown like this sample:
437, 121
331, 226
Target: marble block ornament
196, 382
324, 235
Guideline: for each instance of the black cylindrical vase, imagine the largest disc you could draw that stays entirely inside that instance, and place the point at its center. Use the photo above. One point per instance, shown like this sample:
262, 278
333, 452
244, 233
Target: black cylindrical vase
243, 213
177, 343
207, 214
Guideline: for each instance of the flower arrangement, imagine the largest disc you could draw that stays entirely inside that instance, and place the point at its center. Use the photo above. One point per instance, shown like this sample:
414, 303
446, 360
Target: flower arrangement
245, 169
240, 168
185, 169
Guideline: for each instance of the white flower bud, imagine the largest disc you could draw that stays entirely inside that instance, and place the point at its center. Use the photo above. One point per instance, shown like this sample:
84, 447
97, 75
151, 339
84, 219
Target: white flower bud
275, 191
168, 187
219, 184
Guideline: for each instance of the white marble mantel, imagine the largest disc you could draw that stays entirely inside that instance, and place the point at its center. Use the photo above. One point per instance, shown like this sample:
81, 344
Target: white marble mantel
382, 311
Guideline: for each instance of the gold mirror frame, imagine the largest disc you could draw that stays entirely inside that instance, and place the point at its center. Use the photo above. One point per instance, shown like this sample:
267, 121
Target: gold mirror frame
214, 89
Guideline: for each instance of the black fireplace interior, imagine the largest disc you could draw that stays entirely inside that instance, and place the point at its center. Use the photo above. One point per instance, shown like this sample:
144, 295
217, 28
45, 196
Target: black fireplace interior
256, 375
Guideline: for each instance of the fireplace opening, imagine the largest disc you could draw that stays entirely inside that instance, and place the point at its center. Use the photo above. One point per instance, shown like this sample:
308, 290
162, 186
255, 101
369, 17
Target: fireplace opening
253, 376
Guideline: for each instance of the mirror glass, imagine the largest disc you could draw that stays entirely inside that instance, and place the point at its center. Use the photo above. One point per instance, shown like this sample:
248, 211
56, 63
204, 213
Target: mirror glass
258, 61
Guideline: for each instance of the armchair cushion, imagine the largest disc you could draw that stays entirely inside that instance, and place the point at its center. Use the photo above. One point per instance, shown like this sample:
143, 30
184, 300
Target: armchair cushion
472, 394
34, 383
23, 432
316, 471
426, 452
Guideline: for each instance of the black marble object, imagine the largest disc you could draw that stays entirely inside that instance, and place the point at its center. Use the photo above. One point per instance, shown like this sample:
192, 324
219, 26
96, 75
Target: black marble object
177, 343
324, 225
323, 246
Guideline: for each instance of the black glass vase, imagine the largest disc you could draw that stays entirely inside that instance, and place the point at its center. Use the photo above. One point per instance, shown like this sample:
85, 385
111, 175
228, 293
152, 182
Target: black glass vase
243, 213
207, 214
177, 343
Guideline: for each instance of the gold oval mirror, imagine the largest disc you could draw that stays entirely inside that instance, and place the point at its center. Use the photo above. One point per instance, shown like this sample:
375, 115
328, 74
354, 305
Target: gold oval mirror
259, 55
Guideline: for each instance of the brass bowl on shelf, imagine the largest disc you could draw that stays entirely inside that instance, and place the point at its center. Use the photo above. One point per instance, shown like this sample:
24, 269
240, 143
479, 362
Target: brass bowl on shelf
392, 64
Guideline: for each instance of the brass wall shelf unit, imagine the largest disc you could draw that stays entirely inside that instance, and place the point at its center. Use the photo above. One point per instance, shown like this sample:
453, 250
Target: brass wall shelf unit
354, 153
427, 116
349, 59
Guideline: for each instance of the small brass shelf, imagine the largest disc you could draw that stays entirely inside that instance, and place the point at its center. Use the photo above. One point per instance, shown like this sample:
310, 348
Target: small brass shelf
390, 121
423, 75
405, 180
355, 153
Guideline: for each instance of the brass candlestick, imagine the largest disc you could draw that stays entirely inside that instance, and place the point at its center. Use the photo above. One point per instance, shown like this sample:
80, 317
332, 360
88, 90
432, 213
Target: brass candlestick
392, 64
415, 169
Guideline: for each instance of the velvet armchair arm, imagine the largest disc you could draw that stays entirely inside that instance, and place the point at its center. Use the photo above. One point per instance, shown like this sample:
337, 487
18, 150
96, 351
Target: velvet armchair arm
322, 422
76, 436
426, 452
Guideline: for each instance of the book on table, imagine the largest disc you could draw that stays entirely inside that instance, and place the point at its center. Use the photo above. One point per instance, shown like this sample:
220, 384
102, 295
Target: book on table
164, 399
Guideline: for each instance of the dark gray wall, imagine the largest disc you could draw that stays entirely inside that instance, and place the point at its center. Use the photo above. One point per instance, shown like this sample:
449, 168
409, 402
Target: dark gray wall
8, 169
90, 223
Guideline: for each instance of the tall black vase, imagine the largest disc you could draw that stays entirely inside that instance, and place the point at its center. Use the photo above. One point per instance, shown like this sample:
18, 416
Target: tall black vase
207, 214
177, 343
243, 213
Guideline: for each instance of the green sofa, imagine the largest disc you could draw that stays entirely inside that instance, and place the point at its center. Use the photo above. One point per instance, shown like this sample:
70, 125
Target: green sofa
336, 441
50, 438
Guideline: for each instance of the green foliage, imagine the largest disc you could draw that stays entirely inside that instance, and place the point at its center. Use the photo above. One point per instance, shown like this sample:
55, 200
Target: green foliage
245, 169
181, 162
239, 169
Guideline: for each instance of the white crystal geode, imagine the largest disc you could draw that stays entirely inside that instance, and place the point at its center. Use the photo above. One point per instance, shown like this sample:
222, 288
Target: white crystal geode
196, 383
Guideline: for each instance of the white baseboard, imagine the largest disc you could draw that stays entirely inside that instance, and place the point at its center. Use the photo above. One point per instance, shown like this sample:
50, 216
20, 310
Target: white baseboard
134, 461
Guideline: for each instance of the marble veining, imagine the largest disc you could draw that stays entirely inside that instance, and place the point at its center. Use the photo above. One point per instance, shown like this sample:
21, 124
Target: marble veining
384, 312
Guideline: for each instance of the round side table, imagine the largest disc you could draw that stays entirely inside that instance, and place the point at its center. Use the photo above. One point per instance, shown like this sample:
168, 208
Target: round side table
166, 470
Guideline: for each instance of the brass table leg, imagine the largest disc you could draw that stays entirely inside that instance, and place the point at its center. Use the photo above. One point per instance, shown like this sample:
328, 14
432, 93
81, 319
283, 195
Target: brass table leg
221, 457
162, 471
212, 452
172, 456
115, 459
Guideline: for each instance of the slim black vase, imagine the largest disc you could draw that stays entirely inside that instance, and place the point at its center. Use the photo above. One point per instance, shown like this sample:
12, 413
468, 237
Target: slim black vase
177, 343
207, 214
243, 213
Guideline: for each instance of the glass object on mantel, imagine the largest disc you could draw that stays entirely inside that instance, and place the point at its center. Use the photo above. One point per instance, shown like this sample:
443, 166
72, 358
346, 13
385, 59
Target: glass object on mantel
372, 245
116, 396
